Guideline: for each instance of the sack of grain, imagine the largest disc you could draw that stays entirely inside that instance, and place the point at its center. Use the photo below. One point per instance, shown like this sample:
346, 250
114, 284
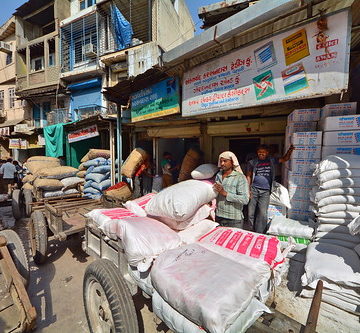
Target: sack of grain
132, 163
204, 171
95, 153
119, 191
191, 161
82, 167
81, 174
48, 184
36, 166
59, 172
53, 194
27, 186
42, 158
29, 179
96, 162
71, 182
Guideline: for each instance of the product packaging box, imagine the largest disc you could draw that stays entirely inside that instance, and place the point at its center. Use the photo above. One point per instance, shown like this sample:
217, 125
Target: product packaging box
302, 204
301, 178
336, 150
342, 123
300, 126
342, 138
302, 165
304, 115
300, 214
340, 109
306, 152
301, 192
307, 138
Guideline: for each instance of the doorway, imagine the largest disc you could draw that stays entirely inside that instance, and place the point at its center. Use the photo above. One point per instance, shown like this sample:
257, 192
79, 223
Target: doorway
244, 149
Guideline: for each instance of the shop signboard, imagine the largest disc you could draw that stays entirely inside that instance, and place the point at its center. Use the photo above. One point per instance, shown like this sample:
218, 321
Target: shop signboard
83, 134
158, 100
302, 62
14, 143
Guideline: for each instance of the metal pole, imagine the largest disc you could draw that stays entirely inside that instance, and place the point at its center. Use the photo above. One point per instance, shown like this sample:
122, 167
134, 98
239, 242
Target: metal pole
112, 153
314, 309
119, 142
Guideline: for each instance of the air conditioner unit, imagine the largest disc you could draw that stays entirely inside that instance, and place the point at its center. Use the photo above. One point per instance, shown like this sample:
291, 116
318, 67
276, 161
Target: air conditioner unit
5, 47
119, 67
89, 51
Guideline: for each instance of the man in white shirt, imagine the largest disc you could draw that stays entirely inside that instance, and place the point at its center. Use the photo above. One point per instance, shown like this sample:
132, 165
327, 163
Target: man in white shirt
8, 171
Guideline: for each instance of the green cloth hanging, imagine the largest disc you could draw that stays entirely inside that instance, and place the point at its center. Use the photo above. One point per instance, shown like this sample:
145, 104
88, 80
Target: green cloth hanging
54, 140
75, 151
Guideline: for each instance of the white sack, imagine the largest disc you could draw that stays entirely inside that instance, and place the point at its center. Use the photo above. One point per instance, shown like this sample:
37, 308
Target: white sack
142, 279
333, 227
337, 208
179, 324
282, 226
204, 171
144, 239
135, 208
339, 199
354, 226
335, 192
340, 182
335, 162
180, 201
337, 235
279, 195
50, 194
325, 220
194, 232
339, 215
71, 182
339, 242
193, 281
331, 263
340, 173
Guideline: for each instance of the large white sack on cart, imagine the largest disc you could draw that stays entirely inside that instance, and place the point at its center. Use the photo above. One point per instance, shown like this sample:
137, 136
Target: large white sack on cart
193, 233
335, 174
282, 226
340, 161
319, 195
204, 171
180, 201
279, 195
258, 246
179, 324
208, 288
340, 183
142, 279
331, 263
144, 239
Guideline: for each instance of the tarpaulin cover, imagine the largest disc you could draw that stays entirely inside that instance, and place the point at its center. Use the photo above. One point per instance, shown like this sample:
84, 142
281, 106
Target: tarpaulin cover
123, 29
54, 140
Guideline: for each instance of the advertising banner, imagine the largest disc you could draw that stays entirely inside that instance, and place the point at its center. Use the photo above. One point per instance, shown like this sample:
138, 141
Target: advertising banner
83, 134
302, 62
160, 99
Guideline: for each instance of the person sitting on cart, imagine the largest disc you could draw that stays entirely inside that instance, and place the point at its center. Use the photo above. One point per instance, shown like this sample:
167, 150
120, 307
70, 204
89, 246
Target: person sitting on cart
233, 191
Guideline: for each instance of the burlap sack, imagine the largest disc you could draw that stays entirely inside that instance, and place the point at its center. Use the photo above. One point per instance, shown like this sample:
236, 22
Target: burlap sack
82, 167
48, 184
42, 158
29, 179
81, 174
85, 158
27, 186
59, 172
94, 153
132, 163
36, 166
191, 161
123, 193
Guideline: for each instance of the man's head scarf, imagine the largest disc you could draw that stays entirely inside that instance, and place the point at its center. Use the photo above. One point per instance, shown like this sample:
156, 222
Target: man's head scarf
228, 155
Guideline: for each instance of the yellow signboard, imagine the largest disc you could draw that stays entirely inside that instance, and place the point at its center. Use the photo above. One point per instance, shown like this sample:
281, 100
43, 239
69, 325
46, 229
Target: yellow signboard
295, 47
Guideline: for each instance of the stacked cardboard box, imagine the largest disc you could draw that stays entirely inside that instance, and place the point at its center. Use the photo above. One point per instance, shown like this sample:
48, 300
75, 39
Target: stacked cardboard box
341, 132
301, 132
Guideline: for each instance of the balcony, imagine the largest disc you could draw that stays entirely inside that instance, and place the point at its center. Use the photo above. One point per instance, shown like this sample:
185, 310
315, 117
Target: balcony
58, 116
90, 110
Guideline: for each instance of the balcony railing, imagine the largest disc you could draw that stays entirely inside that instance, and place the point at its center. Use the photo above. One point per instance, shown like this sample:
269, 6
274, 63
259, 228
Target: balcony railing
86, 111
58, 116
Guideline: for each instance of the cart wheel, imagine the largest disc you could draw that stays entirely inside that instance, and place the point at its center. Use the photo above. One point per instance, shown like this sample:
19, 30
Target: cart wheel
38, 237
108, 303
18, 254
28, 199
16, 204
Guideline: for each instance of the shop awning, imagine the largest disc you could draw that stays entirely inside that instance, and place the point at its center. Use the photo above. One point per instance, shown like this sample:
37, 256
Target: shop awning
175, 132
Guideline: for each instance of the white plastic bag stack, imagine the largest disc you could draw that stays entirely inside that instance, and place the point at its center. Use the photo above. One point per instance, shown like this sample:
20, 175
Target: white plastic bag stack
210, 289
297, 233
337, 199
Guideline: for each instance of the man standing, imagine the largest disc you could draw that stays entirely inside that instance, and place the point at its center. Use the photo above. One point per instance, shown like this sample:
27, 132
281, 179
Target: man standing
233, 191
169, 168
8, 171
260, 176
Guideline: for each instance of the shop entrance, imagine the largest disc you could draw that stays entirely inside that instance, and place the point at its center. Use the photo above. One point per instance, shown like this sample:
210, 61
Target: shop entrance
244, 149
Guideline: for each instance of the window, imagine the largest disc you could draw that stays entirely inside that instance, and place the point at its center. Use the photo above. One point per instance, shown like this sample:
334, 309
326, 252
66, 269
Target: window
1, 100
51, 59
37, 64
86, 3
11, 98
9, 58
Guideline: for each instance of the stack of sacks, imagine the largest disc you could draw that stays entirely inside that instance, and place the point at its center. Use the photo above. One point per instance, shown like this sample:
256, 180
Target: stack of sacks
190, 162
97, 175
28, 181
57, 181
341, 135
133, 162
219, 284
298, 233
339, 269
337, 199
303, 159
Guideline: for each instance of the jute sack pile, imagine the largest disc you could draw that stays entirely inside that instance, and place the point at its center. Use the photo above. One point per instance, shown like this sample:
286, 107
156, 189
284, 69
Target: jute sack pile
58, 172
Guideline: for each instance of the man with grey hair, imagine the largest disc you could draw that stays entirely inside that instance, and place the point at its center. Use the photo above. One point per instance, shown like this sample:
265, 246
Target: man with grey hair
233, 191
